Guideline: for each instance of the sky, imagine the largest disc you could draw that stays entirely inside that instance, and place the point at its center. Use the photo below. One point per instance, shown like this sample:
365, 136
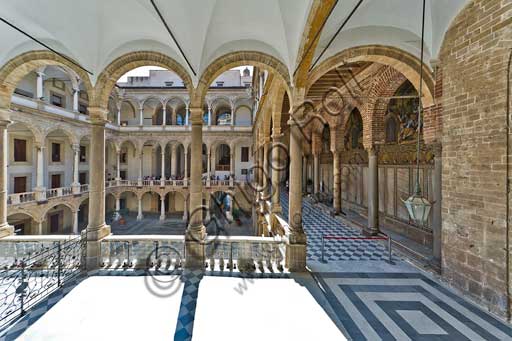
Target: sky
144, 71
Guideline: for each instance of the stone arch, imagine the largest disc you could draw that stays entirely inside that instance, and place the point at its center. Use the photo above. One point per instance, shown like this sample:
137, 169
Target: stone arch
38, 135
233, 59
15, 69
374, 110
404, 62
73, 138
30, 213
59, 203
130, 61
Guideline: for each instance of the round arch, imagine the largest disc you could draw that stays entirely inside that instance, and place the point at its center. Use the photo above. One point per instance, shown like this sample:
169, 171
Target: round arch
233, 59
15, 69
402, 61
130, 61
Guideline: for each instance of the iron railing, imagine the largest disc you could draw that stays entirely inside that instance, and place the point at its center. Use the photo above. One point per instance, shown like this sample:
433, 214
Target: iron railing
28, 280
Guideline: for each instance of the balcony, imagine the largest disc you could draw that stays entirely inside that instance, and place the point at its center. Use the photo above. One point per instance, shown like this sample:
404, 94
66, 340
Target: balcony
54, 193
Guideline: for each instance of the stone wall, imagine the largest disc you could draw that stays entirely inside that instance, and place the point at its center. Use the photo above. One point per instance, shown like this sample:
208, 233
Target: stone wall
474, 60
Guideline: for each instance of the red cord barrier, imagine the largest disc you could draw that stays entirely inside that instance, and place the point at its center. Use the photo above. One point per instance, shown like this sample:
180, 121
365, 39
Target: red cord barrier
355, 238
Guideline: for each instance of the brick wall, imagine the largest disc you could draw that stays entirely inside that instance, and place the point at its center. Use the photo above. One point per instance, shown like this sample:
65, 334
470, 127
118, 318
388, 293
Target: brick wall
473, 64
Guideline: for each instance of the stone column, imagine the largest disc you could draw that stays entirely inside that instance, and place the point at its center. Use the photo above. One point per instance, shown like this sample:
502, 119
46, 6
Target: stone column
208, 165
97, 229
277, 165
39, 86
261, 172
76, 92
141, 159
39, 227
162, 170
118, 171
141, 116
208, 203
40, 189
209, 116
266, 175
75, 222
75, 186
296, 248
5, 228
162, 207
232, 167
436, 209
119, 116
196, 231
185, 176
174, 160
232, 117
187, 113
185, 210
316, 173
304, 173
139, 208
118, 204
164, 116
373, 193
336, 171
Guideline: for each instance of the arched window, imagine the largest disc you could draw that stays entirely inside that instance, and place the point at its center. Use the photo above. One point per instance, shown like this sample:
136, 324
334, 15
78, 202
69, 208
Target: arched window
205, 118
224, 118
326, 139
354, 134
391, 127
405, 108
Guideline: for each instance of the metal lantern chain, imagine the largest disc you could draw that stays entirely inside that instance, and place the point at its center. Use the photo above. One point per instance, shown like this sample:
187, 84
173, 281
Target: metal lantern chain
418, 206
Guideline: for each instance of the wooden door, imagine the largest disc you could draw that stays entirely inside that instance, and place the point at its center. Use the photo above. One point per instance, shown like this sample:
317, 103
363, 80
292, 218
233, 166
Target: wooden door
56, 181
20, 184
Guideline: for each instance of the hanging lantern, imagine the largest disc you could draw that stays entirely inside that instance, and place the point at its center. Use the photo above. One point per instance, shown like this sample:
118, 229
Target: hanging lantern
418, 208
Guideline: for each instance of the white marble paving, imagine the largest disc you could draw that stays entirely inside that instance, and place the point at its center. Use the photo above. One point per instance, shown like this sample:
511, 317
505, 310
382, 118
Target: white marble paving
269, 309
108, 308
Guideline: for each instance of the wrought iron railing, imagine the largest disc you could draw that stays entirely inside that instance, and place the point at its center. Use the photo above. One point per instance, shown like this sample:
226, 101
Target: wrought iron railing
26, 281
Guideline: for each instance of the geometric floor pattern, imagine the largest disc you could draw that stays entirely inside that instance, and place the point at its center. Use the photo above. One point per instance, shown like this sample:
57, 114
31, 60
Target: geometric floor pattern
406, 306
317, 223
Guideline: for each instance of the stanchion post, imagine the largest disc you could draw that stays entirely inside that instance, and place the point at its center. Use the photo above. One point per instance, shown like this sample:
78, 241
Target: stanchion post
389, 248
323, 242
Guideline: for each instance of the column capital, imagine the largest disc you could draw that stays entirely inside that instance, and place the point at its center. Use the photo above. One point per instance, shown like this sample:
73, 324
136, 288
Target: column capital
373, 149
196, 116
98, 115
76, 147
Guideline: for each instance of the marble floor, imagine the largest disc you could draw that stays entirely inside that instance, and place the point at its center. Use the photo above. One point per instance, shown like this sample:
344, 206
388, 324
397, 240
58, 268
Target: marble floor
354, 294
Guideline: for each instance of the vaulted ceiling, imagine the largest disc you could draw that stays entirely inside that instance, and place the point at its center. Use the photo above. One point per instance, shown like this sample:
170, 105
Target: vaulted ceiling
94, 32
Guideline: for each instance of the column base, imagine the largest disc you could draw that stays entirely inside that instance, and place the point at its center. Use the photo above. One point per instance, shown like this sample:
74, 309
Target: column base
185, 216
140, 217
40, 194
75, 188
6, 230
94, 236
162, 217
296, 257
370, 231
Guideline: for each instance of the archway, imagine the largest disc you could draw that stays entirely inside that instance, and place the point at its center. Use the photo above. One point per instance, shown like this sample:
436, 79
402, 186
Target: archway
58, 220
23, 223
